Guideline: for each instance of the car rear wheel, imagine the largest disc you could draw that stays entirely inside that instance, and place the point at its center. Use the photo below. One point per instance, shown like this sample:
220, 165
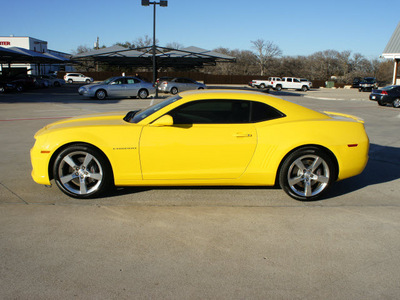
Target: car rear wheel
307, 173
381, 103
278, 87
81, 171
396, 103
101, 94
174, 91
70, 81
87, 81
262, 86
143, 94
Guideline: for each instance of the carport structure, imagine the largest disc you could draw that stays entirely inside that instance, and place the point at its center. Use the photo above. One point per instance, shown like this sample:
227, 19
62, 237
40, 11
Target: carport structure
190, 57
392, 51
16, 55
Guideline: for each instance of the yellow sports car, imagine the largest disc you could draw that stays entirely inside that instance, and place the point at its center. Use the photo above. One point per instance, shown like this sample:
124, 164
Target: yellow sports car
208, 138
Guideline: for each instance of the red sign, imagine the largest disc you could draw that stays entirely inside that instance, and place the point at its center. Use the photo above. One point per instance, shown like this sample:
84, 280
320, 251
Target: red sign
5, 43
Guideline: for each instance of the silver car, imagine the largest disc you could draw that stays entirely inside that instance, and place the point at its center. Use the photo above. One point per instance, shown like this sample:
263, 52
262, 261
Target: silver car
118, 87
176, 85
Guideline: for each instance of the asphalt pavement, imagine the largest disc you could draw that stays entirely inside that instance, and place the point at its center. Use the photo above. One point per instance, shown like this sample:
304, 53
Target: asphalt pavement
198, 243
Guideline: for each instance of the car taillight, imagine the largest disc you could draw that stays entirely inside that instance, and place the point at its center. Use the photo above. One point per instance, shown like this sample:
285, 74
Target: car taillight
384, 93
165, 82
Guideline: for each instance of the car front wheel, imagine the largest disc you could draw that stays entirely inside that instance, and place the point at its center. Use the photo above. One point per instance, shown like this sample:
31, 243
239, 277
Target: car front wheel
174, 91
307, 173
101, 94
81, 171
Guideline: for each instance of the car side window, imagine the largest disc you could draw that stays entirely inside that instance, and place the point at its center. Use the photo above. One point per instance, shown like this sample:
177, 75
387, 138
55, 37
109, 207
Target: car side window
223, 112
212, 112
261, 112
118, 81
132, 80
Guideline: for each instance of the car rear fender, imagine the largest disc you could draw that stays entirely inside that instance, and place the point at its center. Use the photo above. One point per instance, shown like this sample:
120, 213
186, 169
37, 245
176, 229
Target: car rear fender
309, 146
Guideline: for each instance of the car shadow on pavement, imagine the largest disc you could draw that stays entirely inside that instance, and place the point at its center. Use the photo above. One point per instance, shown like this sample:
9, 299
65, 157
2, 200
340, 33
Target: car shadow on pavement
383, 166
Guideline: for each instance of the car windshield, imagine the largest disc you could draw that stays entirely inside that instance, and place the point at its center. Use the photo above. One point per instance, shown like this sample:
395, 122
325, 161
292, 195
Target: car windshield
390, 87
152, 109
369, 80
107, 81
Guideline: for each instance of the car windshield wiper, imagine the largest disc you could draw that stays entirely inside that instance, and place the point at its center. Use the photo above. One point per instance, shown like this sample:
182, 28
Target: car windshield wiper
129, 116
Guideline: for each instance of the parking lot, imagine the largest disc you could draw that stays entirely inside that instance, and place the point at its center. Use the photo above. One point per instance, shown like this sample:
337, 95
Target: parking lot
198, 243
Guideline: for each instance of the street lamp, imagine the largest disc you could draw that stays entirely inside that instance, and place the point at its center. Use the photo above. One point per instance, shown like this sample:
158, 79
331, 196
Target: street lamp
162, 4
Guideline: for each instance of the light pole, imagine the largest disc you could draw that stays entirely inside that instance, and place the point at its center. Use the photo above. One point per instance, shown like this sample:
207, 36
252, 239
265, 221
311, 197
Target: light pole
162, 4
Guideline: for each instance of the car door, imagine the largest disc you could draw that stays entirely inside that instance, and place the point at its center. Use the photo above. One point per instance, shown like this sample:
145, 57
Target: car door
210, 139
132, 86
117, 87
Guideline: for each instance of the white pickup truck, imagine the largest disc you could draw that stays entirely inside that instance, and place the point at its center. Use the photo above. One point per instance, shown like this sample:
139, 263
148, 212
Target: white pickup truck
262, 83
291, 83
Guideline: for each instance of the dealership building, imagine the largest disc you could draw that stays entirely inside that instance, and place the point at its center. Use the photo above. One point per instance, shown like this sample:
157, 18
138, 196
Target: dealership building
35, 57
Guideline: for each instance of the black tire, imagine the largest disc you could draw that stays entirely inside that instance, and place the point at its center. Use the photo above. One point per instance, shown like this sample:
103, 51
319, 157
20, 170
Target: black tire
307, 173
262, 86
381, 103
20, 88
70, 81
101, 94
87, 81
83, 172
304, 88
278, 87
143, 94
396, 103
56, 83
174, 91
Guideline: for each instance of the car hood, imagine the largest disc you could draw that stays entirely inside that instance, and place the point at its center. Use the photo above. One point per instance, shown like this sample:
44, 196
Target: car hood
92, 85
101, 119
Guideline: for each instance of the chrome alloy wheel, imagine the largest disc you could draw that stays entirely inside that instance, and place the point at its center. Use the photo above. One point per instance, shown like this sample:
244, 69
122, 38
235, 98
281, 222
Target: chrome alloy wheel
308, 175
80, 173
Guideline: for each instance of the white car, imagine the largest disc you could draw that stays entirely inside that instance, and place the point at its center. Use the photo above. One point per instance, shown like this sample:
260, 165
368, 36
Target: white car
77, 77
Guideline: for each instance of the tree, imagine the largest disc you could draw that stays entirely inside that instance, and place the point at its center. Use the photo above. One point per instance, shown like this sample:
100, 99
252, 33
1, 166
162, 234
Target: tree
265, 52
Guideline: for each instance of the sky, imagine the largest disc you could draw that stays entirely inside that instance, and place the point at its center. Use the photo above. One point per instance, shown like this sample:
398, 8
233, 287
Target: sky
297, 27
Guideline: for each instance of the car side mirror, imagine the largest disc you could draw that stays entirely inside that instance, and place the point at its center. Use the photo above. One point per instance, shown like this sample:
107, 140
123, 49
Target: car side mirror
165, 120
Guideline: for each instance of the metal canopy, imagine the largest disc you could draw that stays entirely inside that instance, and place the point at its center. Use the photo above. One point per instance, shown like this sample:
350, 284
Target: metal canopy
166, 57
15, 55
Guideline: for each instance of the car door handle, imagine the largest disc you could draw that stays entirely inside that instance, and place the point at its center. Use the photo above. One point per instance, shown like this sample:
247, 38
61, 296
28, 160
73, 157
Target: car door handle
241, 134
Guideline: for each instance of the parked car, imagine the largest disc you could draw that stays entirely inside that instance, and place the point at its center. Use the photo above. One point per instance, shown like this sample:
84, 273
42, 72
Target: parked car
39, 81
23, 82
291, 83
356, 82
367, 84
114, 87
387, 95
77, 77
262, 83
6, 86
176, 85
54, 81
210, 137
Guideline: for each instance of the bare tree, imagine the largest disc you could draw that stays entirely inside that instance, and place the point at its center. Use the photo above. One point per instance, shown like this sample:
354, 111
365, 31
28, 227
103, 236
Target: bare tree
265, 52
174, 45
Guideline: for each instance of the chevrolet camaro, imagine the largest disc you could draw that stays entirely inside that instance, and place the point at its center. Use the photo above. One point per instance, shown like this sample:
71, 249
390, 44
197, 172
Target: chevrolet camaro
207, 138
